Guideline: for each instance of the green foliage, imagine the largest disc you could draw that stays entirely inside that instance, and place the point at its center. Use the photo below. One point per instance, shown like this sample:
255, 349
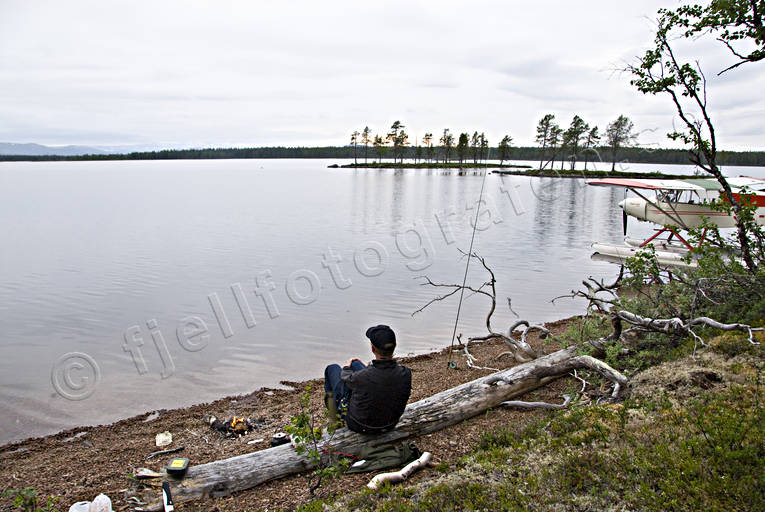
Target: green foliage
708, 456
312, 506
306, 433
588, 327
27, 500
655, 455
473, 496
720, 286
731, 21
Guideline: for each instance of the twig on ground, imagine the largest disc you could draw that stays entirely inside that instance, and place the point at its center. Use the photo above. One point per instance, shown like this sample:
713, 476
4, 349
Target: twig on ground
584, 382
164, 452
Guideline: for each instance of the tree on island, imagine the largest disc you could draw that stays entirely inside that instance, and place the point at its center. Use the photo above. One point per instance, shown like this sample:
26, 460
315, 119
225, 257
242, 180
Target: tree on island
366, 139
379, 145
462, 146
572, 138
428, 139
483, 143
544, 131
398, 137
354, 141
475, 142
619, 134
505, 148
660, 71
590, 141
554, 143
447, 141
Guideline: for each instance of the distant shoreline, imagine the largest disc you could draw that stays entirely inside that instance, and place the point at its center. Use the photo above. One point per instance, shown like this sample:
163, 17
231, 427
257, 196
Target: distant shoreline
534, 155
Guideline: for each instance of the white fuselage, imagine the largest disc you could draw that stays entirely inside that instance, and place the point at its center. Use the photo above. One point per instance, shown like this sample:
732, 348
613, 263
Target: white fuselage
682, 215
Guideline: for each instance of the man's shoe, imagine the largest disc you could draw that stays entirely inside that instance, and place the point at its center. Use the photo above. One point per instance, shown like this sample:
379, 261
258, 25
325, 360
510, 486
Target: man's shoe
329, 401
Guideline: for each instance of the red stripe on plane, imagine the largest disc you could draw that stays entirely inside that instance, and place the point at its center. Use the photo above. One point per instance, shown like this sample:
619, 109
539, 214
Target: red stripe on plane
623, 182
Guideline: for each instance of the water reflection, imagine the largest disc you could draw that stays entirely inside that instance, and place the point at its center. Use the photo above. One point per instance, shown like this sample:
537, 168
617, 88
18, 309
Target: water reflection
127, 243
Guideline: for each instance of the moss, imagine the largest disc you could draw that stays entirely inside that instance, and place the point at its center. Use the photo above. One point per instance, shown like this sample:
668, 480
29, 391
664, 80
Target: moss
312, 506
732, 344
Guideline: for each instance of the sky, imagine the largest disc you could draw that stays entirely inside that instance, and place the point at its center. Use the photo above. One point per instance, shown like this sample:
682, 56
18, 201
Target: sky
303, 73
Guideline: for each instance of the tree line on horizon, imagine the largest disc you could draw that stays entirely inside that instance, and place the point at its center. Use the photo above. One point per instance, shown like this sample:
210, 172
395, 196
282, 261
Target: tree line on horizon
552, 153
570, 144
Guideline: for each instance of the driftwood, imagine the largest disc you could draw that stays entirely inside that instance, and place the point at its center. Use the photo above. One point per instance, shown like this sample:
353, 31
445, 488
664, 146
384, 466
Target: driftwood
400, 476
538, 405
449, 407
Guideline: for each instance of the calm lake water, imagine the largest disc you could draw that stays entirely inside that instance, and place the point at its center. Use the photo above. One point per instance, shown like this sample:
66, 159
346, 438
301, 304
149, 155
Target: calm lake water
127, 287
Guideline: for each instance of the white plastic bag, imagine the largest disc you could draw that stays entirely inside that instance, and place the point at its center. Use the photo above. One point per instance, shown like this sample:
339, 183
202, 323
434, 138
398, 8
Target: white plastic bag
101, 503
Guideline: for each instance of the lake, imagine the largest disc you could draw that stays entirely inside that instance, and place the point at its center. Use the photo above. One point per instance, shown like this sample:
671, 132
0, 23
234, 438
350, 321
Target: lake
127, 287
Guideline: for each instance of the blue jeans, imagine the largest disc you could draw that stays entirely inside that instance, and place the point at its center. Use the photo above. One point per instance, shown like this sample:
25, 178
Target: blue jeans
333, 383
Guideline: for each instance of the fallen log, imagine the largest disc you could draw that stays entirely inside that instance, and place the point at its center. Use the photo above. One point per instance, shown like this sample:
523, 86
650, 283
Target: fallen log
444, 409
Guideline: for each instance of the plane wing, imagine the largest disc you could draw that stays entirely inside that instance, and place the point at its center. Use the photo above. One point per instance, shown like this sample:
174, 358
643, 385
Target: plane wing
698, 184
655, 184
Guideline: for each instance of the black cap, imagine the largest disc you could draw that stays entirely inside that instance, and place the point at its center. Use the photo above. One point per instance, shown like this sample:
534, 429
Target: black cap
382, 337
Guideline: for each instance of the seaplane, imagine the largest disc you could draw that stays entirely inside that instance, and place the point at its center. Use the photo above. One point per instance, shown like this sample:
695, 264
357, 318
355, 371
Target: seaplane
676, 205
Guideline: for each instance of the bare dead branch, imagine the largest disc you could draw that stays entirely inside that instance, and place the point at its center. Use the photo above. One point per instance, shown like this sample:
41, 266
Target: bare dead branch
677, 325
510, 307
584, 382
457, 287
589, 363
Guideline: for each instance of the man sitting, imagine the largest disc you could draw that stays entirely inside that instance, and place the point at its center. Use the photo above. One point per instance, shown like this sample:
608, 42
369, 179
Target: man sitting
370, 399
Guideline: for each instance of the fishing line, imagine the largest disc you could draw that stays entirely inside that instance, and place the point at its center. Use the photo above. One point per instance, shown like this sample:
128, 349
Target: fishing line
451, 363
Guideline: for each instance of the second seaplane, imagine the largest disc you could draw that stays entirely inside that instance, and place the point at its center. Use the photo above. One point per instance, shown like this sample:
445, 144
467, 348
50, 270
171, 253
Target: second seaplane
676, 205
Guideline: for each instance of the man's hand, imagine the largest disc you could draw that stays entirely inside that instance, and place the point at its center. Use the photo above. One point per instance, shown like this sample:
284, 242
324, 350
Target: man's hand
349, 361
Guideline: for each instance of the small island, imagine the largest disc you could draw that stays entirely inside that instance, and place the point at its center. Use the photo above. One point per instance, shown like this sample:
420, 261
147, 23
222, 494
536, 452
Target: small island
512, 170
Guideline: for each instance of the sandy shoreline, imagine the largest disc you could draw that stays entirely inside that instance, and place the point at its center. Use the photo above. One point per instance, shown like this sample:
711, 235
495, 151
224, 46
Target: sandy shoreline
76, 464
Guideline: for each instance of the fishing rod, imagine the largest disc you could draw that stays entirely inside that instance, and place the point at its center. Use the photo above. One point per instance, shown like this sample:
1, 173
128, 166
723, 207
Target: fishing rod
451, 364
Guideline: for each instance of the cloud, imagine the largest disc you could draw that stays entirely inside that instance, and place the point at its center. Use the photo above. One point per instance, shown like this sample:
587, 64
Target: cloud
87, 72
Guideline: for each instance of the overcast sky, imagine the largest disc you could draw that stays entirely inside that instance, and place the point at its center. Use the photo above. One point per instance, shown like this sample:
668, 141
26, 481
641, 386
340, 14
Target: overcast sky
254, 73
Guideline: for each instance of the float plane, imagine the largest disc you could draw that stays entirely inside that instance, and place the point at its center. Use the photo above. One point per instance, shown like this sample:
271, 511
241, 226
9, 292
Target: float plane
676, 205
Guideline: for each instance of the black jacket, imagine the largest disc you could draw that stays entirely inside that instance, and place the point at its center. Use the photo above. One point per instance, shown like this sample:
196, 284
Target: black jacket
379, 394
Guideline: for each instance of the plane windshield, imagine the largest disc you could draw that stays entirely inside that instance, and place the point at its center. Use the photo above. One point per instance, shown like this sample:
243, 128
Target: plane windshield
679, 196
